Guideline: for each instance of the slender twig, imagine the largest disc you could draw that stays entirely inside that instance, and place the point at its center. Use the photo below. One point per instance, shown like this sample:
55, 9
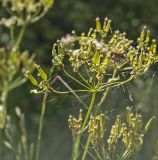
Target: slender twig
102, 99
86, 148
1, 143
125, 155
4, 107
104, 153
16, 83
98, 155
11, 29
76, 79
89, 76
84, 79
41, 126
90, 154
69, 88
105, 94
63, 92
42, 119
123, 82
116, 84
20, 36
39, 17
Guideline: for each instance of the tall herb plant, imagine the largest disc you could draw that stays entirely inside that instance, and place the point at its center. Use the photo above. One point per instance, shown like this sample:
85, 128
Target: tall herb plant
99, 61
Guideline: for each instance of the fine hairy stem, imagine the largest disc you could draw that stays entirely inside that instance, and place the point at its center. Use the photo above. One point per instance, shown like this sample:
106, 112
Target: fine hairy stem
41, 126
77, 145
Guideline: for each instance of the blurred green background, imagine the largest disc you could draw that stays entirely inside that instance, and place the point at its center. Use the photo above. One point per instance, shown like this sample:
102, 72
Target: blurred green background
79, 15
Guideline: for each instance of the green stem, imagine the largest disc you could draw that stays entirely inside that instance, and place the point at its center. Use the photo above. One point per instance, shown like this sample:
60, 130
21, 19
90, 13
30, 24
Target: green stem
105, 94
84, 79
39, 17
125, 155
76, 79
4, 113
51, 71
98, 155
41, 126
77, 145
86, 148
42, 119
21, 34
4, 100
12, 35
102, 99
63, 92
1, 143
96, 111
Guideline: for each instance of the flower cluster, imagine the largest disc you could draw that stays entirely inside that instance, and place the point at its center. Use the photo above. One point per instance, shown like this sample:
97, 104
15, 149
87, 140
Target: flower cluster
102, 51
27, 11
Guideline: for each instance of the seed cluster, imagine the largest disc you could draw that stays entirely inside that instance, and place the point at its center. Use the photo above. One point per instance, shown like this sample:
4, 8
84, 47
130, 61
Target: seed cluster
127, 132
102, 51
130, 132
43, 85
97, 129
76, 123
101, 60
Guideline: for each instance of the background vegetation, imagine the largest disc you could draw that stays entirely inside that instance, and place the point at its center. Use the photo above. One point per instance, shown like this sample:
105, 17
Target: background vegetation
65, 16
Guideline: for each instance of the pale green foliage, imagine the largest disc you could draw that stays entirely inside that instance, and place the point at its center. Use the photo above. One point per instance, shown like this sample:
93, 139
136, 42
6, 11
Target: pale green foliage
12, 68
14, 62
27, 11
10, 65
